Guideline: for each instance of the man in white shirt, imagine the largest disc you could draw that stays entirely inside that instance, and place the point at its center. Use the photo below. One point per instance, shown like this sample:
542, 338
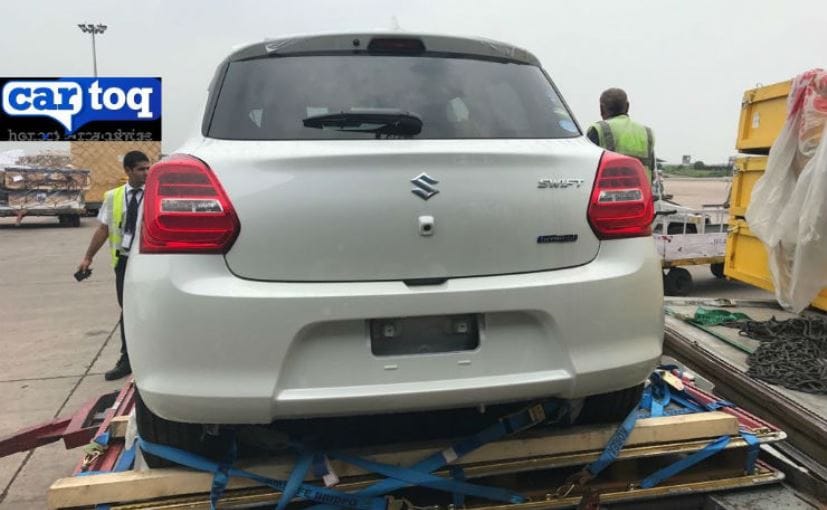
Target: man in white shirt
118, 217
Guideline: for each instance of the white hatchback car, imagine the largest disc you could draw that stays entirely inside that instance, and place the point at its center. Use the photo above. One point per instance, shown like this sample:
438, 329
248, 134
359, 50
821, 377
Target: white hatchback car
377, 223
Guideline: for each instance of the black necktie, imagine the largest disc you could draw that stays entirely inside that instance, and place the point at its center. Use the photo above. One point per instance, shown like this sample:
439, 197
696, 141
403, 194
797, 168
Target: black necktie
132, 212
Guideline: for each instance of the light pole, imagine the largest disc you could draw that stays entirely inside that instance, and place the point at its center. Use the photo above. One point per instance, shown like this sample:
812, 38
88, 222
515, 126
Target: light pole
89, 28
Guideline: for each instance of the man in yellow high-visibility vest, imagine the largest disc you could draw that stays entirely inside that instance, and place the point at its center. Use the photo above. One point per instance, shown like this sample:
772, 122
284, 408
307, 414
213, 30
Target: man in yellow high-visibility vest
118, 217
618, 133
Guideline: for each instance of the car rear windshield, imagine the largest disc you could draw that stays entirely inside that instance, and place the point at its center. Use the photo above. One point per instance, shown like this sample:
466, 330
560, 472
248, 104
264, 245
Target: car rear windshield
269, 98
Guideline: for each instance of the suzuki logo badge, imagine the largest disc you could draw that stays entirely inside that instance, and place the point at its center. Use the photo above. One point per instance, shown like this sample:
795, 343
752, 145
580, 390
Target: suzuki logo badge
424, 186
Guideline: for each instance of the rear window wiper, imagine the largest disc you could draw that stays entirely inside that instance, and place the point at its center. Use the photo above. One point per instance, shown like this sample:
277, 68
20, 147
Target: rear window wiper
380, 122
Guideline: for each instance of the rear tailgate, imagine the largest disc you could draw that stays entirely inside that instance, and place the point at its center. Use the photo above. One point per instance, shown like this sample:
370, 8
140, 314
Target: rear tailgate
339, 210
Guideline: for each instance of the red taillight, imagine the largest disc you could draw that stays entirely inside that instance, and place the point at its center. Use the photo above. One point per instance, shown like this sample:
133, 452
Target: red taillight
621, 204
186, 210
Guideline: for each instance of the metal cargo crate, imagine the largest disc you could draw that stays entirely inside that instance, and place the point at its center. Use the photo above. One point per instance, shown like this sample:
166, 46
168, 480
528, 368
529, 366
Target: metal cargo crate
748, 171
746, 260
763, 112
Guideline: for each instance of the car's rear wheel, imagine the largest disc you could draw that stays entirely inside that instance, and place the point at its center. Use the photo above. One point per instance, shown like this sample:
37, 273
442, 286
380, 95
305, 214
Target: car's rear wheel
717, 269
186, 436
610, 407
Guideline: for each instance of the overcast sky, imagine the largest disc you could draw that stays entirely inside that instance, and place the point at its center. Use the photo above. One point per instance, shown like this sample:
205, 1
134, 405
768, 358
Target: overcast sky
684, 65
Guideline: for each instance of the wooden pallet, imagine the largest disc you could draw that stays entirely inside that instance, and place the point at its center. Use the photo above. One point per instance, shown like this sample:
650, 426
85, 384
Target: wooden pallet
650, 440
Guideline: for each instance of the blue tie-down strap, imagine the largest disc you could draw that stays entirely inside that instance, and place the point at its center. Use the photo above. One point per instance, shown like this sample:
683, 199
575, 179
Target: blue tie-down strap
126, 460
656, 397
615, 444
683, 398
369, 498
413, 477
753, 448
102, 439
671, 470
295, 481
718, 404
661, 394
648, 408
319, 466
654, 401
323, 470
661, 397
458, 474
508, 425
309, 492
685, 401
610, 451
221, 475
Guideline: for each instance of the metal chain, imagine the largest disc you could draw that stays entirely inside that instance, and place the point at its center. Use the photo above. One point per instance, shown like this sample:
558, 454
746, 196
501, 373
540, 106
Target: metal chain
792, 354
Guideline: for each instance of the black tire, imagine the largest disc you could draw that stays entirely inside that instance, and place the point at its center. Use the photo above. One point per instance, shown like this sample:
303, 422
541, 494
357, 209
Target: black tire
610, 407
69, 220
186, 436
677, 282
717, 270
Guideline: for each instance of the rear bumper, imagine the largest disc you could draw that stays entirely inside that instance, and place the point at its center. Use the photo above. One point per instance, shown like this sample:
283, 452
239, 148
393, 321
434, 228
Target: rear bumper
208, 347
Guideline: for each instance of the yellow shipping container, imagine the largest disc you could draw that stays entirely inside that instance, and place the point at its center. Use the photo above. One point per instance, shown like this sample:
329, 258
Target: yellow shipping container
746, 260
763, 112
748, 170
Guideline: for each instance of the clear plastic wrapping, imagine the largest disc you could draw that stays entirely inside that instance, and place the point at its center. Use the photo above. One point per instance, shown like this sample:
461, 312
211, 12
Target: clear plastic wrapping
788, 207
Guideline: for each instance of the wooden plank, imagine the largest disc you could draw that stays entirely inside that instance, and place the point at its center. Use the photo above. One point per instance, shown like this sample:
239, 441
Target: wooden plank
620, 485
134, 485
118, 426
